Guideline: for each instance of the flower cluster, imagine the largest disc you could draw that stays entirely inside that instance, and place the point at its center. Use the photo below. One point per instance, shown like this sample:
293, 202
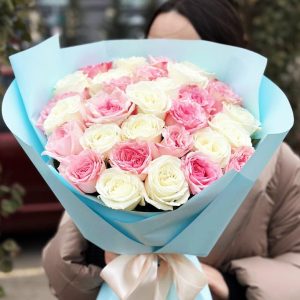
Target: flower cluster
140, 130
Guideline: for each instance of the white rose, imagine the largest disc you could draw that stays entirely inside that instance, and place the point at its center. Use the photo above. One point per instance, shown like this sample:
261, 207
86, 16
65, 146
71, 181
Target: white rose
186, 73
168, 86
144, 127
232, 130
165, 184
120, 190
212, 144
242, 116
64, 110
130, 64
75, 82
149, 98
101, 138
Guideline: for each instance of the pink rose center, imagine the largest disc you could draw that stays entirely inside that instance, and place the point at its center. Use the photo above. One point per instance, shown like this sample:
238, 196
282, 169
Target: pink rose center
204, 172
174, 137
190, 114
134, 158
198, 95
82, 170
198, 170
109, 107
61, 133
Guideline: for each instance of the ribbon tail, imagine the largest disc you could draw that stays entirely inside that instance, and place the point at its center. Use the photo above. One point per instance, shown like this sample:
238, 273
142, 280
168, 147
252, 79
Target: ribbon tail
132, 277
164, 281
189, 280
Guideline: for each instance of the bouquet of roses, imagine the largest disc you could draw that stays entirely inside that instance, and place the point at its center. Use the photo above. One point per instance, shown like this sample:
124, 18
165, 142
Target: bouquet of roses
139, 131
147, 129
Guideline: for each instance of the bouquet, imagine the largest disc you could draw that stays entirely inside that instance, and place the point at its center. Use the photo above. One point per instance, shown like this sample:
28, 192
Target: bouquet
145, 237
137, 131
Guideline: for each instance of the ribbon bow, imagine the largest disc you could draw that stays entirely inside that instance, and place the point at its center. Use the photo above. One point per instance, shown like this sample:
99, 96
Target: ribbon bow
150, 276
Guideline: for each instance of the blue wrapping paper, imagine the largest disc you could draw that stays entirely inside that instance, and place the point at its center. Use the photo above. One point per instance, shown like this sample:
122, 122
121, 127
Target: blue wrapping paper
193, 228
37, 71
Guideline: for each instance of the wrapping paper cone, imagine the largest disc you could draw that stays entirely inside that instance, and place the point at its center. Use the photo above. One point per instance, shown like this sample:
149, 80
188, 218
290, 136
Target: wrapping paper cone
193, 228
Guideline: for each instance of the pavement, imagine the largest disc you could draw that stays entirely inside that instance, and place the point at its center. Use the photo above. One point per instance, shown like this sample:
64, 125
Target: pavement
27, 281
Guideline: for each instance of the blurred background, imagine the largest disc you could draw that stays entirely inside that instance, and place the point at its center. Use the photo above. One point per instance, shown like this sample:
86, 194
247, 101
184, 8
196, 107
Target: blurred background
29, 212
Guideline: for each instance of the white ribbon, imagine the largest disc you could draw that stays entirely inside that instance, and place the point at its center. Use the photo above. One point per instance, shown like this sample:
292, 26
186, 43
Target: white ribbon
150, 276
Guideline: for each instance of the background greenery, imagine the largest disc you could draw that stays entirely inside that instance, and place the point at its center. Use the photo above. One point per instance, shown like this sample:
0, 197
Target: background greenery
13, 29
11, 199
273, 29
13, 34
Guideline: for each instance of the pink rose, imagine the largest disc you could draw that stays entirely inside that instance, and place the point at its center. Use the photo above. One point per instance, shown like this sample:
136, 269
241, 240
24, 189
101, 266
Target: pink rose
187, 113
148, 73
94, 70
222, 92
64, 140
47, 109
199, 171
159, 62
107, 108
239, 157
177, 141
120, 83
83, 170
201, 96
133, 156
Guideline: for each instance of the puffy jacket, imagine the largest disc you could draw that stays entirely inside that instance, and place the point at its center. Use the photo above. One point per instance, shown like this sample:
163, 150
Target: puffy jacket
261, 245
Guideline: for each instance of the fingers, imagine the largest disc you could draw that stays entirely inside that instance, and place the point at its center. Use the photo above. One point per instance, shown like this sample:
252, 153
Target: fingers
216, 282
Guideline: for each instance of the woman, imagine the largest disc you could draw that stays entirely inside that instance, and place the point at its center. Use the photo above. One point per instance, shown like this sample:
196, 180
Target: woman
258, 255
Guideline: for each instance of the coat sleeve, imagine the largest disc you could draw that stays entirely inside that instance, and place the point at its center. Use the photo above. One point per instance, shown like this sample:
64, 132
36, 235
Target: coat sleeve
64, 261
278, 276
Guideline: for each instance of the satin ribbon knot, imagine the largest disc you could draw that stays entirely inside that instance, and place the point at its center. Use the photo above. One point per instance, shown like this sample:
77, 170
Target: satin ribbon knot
150, 276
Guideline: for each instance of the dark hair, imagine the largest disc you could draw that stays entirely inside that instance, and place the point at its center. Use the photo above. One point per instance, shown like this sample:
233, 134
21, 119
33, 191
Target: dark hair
214, 20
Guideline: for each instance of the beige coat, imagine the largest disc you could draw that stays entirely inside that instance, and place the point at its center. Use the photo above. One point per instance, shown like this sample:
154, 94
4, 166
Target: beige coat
261, 245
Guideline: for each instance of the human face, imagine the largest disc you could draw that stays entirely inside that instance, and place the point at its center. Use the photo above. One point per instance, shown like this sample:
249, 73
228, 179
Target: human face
172, 25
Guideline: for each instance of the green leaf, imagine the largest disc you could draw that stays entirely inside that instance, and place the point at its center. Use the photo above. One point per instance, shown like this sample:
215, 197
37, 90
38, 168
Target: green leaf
11, 247
17, 198
2, 292
10, 5
2, 252
19, 188
4, 189
6, 264
8, 207
18, 202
